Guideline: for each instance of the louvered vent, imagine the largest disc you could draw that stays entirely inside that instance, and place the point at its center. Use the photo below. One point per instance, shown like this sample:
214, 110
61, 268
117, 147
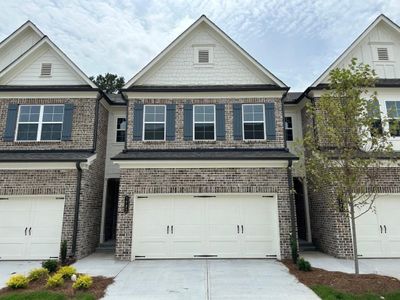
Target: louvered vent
46, 69
383, 54
204, 56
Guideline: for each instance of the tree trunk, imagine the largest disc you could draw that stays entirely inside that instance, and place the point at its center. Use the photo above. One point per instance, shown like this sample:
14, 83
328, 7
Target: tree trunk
353, 225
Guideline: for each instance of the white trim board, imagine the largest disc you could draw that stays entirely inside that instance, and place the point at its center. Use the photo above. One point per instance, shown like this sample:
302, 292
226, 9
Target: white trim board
203, 20
200, 164
202, 95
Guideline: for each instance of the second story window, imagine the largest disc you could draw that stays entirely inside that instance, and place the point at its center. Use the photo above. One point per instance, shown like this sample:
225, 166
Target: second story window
253, 122
204, 122
393, 113
289, 128
40, 122
154, 123
120, 130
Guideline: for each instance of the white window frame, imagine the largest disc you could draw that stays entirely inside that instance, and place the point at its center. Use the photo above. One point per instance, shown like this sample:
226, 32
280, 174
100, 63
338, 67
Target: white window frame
208, 122
263, 121
292, 128
40, 123
387, 125
197, 48
389, 47
144, 122
116, 128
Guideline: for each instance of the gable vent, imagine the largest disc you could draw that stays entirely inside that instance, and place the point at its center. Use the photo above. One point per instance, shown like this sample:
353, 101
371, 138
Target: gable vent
383, 54
204, 56
46, 69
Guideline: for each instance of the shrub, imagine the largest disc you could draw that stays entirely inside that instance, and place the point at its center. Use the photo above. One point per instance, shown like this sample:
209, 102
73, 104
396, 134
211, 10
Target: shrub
55, 281
64, 252
66, 271
17, 281
83, 282
51, 265
303, 265
37, 273
293, 247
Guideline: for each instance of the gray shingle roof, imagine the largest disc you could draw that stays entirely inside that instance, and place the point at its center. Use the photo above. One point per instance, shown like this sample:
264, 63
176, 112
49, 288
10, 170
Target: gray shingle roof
44, 156
292, 97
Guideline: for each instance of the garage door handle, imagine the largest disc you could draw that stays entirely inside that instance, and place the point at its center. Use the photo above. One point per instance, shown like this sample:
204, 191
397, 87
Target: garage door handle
172, 229
30, 228
168, 229
242, 228
380, 227
26, 228
238, 229
384, 226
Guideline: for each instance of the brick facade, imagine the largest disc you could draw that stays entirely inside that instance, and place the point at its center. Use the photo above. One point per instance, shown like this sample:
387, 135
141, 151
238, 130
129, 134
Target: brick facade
229, 142
225, 180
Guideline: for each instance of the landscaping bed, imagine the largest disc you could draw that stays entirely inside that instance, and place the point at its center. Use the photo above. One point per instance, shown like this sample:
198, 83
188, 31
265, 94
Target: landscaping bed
338, 285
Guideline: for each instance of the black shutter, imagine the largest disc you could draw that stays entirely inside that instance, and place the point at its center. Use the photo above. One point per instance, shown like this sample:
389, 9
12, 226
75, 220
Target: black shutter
170, 122
237, 121
220, 121
11, 123
188, 122
137, 121
270, 120
67, 123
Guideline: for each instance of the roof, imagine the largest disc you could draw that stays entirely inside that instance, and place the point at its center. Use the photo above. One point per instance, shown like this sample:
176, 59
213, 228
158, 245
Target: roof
205, 88
207, 154
44, 156
27, 24
380, 18
114, 99
292, 97
204, 20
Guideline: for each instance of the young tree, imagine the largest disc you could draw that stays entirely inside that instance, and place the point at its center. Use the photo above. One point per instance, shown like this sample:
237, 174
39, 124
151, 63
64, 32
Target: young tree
110, 83
348, 143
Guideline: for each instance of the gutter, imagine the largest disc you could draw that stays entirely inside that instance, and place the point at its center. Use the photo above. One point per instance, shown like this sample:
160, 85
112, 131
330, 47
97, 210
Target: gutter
126, 120
291, 199
77, 202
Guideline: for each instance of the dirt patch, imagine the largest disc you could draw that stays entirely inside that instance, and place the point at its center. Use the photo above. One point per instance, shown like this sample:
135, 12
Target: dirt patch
344, 282
98, 288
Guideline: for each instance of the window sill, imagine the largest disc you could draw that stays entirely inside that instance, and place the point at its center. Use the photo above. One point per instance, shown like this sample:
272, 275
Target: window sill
31, 142
203, 65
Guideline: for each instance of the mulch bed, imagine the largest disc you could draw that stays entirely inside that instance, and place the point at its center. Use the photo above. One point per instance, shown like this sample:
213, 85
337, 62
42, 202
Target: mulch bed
98, 288
344, 282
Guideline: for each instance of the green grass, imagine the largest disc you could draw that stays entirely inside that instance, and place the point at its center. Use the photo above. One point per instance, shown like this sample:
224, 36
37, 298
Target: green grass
327, 293
44, 296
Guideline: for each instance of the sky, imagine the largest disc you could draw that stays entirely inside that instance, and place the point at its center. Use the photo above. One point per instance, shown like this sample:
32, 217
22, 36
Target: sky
295, 39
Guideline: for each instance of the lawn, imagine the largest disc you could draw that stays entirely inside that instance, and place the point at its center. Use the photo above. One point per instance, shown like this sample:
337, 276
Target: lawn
45, 296
327, 293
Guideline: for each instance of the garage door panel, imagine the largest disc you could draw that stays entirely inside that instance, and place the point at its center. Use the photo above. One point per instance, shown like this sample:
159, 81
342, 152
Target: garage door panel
12, 249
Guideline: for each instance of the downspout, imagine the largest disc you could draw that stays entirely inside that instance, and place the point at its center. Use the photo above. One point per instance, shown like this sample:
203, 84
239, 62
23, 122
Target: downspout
292, 204
283, 120
96, 121
77, 202
126, 118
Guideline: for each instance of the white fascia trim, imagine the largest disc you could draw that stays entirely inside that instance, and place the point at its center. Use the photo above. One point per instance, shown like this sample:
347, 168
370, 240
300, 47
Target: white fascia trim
203, 19
198, 95
354, 44
46, 40
90, 160
19, 30
199, 164
48, 94
37, 165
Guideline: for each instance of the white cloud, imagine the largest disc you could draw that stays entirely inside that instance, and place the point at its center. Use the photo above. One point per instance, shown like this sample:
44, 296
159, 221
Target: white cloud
123, 36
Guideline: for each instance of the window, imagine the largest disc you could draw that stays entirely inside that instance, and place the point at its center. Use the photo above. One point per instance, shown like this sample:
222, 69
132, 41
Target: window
154, 123
46, 69
393, 112
40, 122
289, 128
204, 122
121, 130
253, 122
383, 53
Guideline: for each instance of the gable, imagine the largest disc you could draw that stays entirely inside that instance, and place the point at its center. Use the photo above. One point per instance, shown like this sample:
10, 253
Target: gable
14, 46
228, 64
380, 38
29, 72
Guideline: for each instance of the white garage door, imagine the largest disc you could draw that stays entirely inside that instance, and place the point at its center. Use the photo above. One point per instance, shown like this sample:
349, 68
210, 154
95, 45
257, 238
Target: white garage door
190, 226
30, 227
378, 232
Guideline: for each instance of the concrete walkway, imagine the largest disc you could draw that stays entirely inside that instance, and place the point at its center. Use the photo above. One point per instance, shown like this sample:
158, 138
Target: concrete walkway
196, 279
8, 268
383, 266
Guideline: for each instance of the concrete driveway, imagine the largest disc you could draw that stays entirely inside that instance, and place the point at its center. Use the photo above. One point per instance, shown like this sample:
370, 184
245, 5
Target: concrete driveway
196, 279
8, 268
